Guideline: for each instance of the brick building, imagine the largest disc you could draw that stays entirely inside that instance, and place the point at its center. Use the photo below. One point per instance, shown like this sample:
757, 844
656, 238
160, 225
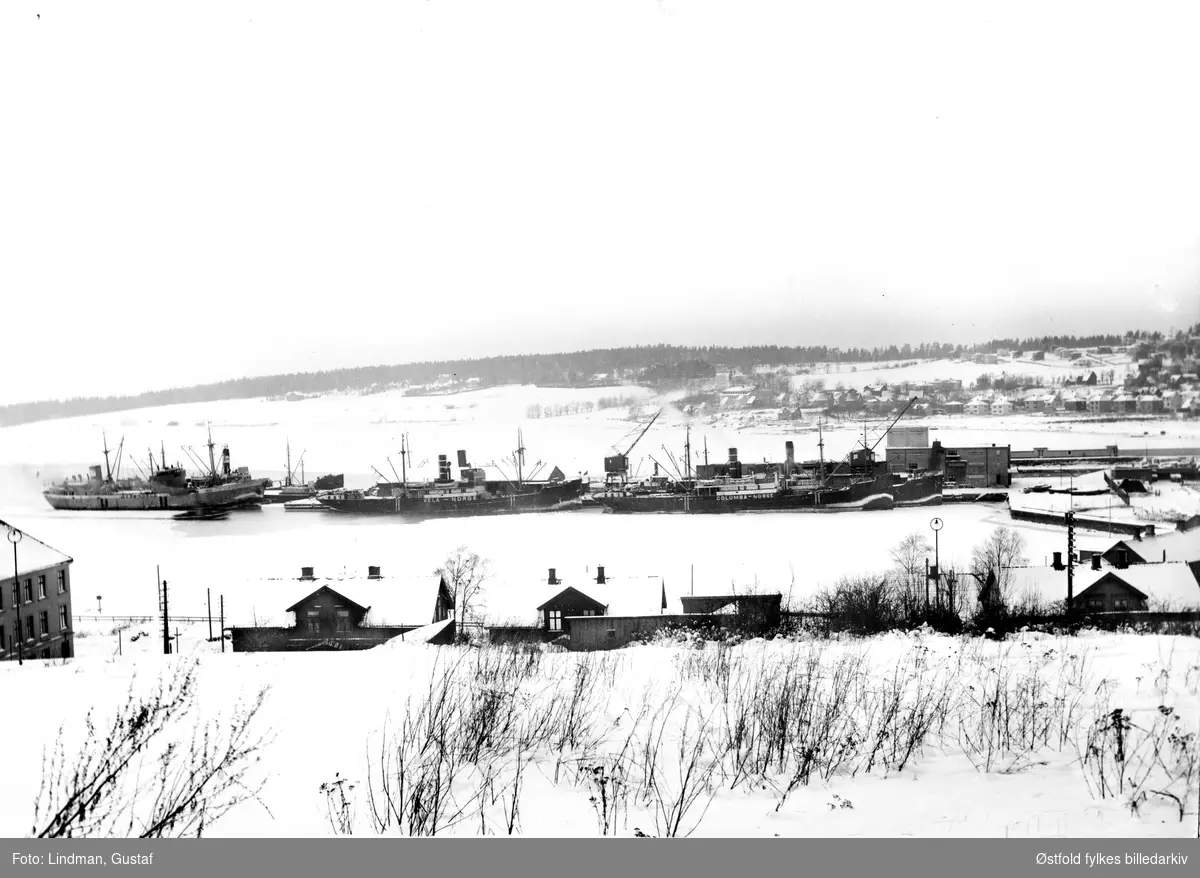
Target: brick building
35, 607
976, 467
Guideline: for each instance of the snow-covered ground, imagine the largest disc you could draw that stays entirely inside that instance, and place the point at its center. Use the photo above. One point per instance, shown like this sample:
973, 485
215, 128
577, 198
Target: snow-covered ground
857, 375
953, 759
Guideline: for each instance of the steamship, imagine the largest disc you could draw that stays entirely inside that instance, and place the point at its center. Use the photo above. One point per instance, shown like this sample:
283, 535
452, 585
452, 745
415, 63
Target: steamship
472, 493
860, 482
162, 487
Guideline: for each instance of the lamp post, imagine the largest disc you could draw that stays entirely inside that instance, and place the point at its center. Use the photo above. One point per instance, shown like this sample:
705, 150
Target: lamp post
14, 537
936, 525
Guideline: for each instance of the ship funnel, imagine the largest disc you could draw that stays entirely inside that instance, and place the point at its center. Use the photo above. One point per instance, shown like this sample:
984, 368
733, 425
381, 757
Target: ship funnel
444, 469
734, 467
225, 460
733, 455
462, 458
790, 452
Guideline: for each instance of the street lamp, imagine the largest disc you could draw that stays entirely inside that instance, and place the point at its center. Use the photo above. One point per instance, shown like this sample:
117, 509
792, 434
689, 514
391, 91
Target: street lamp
14, 537
936, 525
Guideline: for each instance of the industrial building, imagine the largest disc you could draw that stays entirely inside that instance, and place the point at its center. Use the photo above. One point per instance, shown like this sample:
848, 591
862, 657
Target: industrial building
909, 450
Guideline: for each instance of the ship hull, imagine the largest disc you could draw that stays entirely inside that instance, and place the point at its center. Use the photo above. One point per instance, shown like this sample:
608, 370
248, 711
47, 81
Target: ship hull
870, 494
922, 490
548, 499
219, 496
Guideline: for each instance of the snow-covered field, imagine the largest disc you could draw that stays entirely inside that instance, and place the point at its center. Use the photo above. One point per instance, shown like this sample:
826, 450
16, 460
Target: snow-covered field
326, 710
899, 735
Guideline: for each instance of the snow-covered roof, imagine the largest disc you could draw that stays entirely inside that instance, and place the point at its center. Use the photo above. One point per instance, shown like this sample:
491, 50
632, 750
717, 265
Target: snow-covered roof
391, 600
32, 554
1172, 585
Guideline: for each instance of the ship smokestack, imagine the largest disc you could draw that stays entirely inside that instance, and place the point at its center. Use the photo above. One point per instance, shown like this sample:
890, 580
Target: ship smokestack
790, 452
734, 467
444, 469
225, 460
462, 459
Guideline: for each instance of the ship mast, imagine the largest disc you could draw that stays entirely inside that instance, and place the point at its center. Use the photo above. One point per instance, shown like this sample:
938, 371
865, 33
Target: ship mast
107, 467
404, 453
163, 448
687, 451
520, 456
212, 461
287, 482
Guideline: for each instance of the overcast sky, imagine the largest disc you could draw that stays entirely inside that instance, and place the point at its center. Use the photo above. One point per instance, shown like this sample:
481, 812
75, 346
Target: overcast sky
197, 191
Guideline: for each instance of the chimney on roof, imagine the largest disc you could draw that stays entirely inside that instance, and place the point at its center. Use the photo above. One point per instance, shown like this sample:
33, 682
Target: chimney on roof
1095, 562
600, 574
1122, 558
306, 573
372, 572
553, 580
1058, 562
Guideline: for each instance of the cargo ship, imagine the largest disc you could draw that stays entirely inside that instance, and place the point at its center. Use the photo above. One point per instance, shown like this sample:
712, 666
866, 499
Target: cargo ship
161, 487
472, 493
859, 483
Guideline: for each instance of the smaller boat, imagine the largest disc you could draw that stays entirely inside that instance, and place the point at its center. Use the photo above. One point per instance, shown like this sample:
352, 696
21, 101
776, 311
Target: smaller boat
309, 504
202, 513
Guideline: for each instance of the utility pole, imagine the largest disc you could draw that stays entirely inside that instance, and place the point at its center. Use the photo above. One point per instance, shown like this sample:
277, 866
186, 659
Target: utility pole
209, 590
176, 641
1070, 519
222, 623
166, 621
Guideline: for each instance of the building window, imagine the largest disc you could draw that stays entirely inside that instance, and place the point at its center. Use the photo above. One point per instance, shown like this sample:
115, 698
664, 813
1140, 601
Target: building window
314, 621
343, 620
62, 581
16, 594
1, 638
589, 612
45, 626
556, 620
63, 622
29, 627
29, 591
41, 587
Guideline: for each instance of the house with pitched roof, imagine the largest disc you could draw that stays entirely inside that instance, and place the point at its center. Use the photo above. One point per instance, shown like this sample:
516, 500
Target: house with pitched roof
342, 612
35, 599
1170, 586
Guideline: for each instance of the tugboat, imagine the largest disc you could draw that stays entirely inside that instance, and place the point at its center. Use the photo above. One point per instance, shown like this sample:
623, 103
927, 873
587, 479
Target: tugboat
165, 487
470, 494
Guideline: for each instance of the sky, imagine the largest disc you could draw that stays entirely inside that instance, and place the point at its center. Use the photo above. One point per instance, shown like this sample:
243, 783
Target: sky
198, 191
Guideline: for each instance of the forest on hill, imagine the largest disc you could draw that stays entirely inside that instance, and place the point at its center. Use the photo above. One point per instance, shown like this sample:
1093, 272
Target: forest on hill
656, 365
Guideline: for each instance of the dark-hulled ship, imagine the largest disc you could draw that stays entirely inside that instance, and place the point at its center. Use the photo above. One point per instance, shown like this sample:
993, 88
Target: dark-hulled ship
861, 482
472, 493
162, 487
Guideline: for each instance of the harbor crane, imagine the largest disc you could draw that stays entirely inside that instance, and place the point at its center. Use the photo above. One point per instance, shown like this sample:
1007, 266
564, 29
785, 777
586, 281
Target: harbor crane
616, 467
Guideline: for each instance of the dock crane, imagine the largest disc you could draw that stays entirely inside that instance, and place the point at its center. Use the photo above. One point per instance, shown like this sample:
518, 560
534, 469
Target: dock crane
616, 467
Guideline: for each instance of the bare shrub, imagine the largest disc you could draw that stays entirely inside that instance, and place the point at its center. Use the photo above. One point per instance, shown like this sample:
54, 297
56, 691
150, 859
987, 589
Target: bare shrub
137, 780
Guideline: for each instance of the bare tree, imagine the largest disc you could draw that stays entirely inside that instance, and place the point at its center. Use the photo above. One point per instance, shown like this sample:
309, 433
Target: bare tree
1003, 550
909, 556
465, 574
